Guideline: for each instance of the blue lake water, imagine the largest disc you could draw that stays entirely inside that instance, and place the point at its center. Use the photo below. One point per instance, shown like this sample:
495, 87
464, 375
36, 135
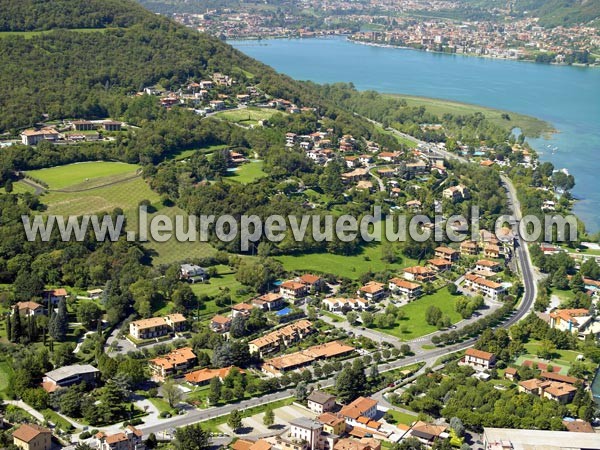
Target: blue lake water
567, 97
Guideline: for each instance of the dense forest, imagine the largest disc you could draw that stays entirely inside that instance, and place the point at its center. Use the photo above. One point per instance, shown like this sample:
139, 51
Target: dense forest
30, 15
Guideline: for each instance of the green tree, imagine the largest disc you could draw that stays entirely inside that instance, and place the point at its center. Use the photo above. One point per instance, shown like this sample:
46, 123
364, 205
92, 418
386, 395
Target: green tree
171, 393
235, 420
192, 437
350, 383
214, 394
88, 313
59, 322
433, 315
269, 417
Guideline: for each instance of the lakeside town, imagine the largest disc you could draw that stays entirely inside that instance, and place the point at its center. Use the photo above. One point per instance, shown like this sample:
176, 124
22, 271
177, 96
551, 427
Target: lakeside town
400, 25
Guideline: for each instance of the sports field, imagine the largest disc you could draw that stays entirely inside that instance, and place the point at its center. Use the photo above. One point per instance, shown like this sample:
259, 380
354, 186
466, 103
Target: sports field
61, 177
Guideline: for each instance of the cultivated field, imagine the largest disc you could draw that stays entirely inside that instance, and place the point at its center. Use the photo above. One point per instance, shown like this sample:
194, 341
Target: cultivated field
247, 116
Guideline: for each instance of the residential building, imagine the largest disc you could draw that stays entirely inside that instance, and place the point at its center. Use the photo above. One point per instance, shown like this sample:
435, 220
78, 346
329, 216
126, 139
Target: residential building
314, 282
192, 273
512, 439
293, 290
54, 296
306, 430
511, 374
176, 361
30, 436
419, 273
469, 248
29, 309
456, 193
244, 444
413, 205
485, 265
203, 376
241, 309
220, 324
573, 320
283, 337
361, 407
34, 137
112, 125
130, 439
405, 289
332, 423
428, 433
485, 287
338, 304
269, 302
447, 253
94, 294
156, 327
372, 291
478, 359
320, 402
492, 251
82, 125
357, 444
439, 264
297, 360
68, 375
552, 376
578, 426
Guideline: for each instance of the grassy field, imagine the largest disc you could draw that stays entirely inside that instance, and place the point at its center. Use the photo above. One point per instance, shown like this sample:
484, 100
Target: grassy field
247, 173
206, 150
30, 34
344, 266
531, 126
73, 174
172, 250
125, 195
224, 282
402, 417
247, 116
400, 139
414, 324
5, 371
19, 188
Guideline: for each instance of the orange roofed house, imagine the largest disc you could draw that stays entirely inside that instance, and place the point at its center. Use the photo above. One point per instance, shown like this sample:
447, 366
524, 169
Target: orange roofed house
314, 282
573, 320
30, 436
220, 324
372, 291
203, 376
419, 273
478, 359
269, 302
157, 326
405, 289
292, 361
244, 444
293, 290
282, 337
439, 264
171, 363
447, 253
53, 296
485, 287
130, 439
361, 407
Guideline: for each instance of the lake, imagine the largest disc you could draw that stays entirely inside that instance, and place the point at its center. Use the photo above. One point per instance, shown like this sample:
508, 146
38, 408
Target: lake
567, 97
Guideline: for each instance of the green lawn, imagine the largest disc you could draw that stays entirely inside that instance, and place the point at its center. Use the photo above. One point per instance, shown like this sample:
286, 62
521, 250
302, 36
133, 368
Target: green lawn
162, 405
344, 266
247, 116
225, 281
205, 150
125, 195
247, 173
172, 250
5, 371
86, 172
565, 357
402, 417
414, 320
531, 126
19, 188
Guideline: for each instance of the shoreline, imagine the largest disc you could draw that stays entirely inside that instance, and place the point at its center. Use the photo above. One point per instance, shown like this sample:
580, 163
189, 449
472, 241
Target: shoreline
470, 55
404, 47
